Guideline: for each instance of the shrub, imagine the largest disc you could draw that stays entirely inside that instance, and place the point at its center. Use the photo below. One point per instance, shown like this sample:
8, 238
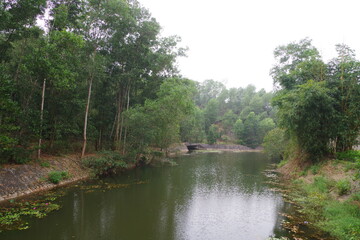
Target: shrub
320, 185
105, 164
315, 169
351, 155
282, 163
45, 164
57, 176
275, 143
342, 220
343, 187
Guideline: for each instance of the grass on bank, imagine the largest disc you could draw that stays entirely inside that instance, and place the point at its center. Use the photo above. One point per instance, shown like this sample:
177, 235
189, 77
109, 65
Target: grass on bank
322, 200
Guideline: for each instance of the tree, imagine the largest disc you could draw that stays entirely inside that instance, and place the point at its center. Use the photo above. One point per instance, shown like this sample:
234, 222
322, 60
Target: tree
192, 129
157, 123
275, 143
293, 62
239, 129
211, 113
17, 20
318, 103
213, 134
344, 72
309, 116
208, 90
265, 126
228, 120
250, 134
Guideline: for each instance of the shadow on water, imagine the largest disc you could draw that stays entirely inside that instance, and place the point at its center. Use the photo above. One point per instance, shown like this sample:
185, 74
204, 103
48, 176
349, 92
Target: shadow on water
206, 196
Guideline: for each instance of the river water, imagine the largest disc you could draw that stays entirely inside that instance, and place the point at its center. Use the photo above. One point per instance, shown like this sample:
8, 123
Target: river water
207, 196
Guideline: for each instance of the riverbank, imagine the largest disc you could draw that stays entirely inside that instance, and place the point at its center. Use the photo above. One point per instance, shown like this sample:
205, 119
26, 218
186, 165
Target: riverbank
21, 180
327, 195
222, 147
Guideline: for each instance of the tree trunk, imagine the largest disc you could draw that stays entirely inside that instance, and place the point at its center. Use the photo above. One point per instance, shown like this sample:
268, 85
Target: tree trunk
127, 108
117, 137
86, 117
41, 117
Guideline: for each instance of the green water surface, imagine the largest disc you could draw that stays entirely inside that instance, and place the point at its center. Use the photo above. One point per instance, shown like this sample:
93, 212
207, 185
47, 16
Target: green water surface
207, 196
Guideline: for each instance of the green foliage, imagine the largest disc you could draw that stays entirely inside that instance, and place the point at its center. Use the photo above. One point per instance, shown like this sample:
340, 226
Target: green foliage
157, 123
239, 128
319, 185
275, 143
342, 220
228, 120
107, 163
315, 169
343, 187
192, 129
282, 163
13, 215
318, 103
45, 164
211, 113
307, 113
57, 176
350, 155
213, 134
292, 62
250, 135
113, 44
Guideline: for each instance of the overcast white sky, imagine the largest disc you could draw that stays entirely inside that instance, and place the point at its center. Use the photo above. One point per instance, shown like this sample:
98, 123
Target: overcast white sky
232, 41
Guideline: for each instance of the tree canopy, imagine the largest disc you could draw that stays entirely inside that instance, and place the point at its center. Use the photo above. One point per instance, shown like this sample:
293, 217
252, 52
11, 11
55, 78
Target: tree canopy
317, 102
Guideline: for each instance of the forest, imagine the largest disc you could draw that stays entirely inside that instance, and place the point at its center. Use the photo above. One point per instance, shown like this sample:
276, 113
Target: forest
96, 79
85, 76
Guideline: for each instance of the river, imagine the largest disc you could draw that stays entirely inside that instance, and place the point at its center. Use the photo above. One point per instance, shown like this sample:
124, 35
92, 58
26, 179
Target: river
206, 196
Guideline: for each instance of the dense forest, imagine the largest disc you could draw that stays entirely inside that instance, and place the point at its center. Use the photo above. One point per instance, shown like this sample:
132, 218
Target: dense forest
235, 115
83, 76
79, 76
70, 69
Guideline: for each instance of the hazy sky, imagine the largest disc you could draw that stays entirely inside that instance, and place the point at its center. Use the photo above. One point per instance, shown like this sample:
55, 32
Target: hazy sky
232, 41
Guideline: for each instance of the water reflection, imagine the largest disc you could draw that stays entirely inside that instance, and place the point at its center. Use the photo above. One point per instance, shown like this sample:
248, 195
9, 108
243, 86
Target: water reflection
205, 197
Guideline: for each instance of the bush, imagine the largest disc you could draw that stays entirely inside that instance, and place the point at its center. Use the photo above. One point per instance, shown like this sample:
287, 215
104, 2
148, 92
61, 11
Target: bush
343, 187
274, 143
351, 155
282, 163
17, 154
57, 176
320, 185
315, 169
342, 220
105, 164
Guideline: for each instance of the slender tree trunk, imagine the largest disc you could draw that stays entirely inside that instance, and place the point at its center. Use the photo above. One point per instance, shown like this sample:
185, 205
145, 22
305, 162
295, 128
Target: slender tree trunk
99, 145
86, 117
41, 117
127, 108
88, 103
118, 120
